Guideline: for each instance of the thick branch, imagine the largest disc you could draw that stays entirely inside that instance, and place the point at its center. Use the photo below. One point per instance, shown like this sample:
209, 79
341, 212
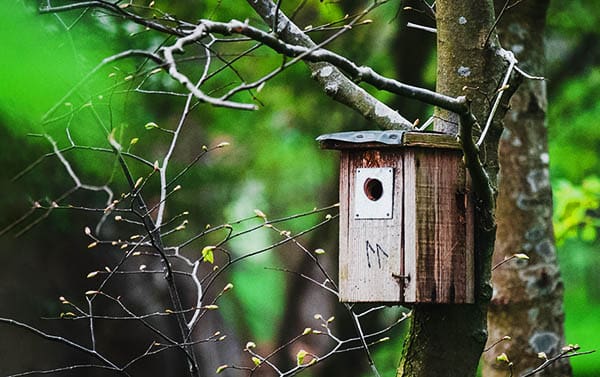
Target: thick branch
290, 41
480, 181
333, 82
327, 73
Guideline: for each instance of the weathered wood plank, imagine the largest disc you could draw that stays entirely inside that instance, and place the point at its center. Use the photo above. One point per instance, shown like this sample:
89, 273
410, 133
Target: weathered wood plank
443, 270
430, 140
410, 227
344, 284
374, 252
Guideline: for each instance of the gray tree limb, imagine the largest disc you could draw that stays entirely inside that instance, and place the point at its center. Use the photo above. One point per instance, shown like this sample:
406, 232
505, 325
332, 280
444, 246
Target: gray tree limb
333, 82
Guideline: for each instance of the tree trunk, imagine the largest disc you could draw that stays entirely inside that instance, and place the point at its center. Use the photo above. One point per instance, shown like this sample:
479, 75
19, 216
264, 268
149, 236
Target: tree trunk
527, 300
447, 340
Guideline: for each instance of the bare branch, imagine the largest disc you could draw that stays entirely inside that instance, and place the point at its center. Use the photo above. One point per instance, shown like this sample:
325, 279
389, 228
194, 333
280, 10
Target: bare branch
566, 352
114, 8
332, 81
358, 73
64, 341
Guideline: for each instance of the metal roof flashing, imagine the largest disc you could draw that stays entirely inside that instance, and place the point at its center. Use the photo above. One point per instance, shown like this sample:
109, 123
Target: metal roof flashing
386, 139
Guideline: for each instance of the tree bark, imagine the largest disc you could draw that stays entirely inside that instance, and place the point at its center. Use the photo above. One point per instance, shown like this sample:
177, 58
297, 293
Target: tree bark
447, 340
527, 299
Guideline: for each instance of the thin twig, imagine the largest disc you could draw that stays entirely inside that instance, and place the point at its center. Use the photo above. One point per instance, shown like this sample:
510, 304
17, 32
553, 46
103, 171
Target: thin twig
567, 352
512, 61
421, 27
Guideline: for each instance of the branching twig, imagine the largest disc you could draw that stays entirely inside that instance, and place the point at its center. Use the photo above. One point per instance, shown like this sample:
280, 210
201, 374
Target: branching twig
566, 352
95, 354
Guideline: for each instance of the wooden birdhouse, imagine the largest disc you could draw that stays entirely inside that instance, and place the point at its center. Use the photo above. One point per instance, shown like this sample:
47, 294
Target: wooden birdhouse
406, 218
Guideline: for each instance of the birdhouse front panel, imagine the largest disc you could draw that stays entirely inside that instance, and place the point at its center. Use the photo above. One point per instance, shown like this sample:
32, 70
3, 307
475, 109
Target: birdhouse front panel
371, 235
405, 218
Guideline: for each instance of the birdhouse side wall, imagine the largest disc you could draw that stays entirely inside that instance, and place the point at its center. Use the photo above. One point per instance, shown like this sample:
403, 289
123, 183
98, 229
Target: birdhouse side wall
438, 227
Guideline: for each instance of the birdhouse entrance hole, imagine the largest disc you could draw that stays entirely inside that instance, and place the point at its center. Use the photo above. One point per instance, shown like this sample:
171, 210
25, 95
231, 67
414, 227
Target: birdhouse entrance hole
374, 193
373, 189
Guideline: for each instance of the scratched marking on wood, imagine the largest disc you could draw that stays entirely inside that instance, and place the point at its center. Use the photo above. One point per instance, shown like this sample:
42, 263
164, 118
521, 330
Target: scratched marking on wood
377, 253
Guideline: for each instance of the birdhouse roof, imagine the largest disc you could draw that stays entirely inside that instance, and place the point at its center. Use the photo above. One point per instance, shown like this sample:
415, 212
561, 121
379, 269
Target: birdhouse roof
387, 139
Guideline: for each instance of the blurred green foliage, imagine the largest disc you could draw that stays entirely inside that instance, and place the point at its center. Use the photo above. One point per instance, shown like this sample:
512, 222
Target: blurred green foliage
576, 210
574, 136
573, 119
573, 18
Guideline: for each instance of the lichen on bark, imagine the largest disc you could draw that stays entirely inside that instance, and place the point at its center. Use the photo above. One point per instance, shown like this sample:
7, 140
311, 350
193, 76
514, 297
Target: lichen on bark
527, 300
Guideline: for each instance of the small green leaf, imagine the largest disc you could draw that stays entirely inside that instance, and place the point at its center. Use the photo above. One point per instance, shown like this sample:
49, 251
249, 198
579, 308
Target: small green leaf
134, 141
502, 358
208, 255
300, 357
150, 125
588, 233
256, 360
222, 368
319, 251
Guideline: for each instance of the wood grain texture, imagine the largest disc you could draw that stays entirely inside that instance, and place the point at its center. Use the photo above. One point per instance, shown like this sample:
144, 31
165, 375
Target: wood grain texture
371, 254
424, 253
436, 219
345, 284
